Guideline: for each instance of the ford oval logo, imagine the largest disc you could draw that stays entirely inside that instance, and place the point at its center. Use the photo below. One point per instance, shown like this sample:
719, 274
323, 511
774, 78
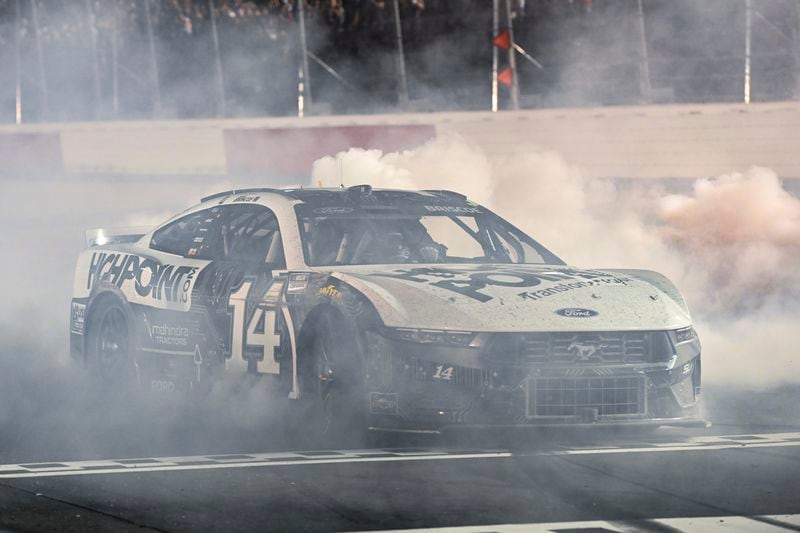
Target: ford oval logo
572, 312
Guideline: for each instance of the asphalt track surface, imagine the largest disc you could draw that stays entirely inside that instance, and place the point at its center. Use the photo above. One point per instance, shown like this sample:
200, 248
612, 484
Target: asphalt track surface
732, 477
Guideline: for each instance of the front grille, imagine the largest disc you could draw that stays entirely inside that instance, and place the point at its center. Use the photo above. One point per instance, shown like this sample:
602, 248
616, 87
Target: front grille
574, 397
564, 348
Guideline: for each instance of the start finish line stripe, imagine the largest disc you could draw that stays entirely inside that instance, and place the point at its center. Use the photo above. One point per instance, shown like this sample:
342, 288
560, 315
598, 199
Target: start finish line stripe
328, 457
767, 523
197, 463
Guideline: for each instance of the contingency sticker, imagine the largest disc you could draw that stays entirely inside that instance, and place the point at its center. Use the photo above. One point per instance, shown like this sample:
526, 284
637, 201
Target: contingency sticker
77, 316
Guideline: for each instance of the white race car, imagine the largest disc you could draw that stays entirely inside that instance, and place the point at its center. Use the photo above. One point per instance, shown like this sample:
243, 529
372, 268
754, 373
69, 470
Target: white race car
384, 309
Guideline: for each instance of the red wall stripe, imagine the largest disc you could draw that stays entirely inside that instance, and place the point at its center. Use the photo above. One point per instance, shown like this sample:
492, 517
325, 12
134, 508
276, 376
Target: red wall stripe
30, 154
279, 153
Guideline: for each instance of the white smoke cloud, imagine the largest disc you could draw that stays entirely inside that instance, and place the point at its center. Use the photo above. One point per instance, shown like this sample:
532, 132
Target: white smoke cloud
732, 245
50, 407
742, 233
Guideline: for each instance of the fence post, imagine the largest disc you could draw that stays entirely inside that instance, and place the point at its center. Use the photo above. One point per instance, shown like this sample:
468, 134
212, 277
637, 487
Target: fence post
495, 31
17, 66
44, 98
307, 100
401, 57
512, 59
92, 23
220, 80
154, 77
644, 59
748, 35
796, 36
115, 60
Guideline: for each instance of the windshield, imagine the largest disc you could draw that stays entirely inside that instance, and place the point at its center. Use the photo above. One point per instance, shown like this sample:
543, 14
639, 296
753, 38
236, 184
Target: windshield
346, 236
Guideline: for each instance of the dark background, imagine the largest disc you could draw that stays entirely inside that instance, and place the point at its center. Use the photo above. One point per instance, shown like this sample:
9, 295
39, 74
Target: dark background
590, 50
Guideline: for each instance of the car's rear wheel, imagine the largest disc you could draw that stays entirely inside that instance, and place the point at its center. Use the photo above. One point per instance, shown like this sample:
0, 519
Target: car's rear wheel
110, 343
332, 388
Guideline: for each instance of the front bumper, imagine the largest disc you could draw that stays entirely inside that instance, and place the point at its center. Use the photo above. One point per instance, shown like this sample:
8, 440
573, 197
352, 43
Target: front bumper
430, 388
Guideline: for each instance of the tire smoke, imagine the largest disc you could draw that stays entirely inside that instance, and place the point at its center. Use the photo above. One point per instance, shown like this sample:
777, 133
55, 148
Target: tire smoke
731, 244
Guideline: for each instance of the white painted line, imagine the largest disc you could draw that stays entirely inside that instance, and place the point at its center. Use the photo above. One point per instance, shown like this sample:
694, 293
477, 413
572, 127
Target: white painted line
329, 457
258, 464
728, 524
679, 448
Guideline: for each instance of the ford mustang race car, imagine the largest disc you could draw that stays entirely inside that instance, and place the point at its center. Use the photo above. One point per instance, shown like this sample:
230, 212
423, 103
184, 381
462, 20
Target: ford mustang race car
383, 309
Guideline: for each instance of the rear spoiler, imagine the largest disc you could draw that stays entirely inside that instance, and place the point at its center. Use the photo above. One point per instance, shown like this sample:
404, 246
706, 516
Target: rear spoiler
104, 236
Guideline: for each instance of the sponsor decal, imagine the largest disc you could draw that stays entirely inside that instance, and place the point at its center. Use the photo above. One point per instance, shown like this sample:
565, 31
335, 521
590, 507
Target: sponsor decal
158, 385
166, 335
330, 291
221, 279
149, 278
77, 317
565, 287
380, 403
197, 360
454, 210
297, 283
575, 312
246, 198
333, 210
475, 284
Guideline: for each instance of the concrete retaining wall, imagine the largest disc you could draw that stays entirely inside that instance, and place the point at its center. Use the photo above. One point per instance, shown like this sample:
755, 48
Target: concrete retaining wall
684, 141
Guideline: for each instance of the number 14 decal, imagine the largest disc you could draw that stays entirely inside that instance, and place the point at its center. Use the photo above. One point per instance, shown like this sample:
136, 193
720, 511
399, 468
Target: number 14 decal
443, 372
259, 334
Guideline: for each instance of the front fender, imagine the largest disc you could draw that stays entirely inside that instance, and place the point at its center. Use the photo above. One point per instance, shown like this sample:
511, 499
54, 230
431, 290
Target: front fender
659, 281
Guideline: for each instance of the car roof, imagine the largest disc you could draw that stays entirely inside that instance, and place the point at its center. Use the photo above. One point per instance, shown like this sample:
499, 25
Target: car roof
330, 196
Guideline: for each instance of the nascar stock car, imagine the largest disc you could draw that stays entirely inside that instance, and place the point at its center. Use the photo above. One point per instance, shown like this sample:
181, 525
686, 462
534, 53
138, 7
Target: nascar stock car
383, 309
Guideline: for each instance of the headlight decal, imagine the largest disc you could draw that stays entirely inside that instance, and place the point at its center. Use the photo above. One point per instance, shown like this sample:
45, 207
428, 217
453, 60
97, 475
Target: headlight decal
430, 336
685, 335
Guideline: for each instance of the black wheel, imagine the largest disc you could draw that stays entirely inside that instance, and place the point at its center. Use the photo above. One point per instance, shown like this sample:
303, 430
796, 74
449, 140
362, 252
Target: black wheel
332, 388
110, 349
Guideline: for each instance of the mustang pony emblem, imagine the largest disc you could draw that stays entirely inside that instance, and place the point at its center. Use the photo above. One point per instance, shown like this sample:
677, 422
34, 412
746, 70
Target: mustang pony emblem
584, 352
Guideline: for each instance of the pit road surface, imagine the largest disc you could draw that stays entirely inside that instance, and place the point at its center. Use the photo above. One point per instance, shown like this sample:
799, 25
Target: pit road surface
625, 480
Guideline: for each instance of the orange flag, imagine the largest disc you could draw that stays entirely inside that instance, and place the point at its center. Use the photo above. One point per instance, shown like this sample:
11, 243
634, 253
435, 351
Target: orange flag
506, 76
502, 40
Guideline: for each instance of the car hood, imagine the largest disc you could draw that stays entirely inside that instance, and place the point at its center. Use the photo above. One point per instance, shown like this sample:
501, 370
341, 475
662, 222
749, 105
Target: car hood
518, 297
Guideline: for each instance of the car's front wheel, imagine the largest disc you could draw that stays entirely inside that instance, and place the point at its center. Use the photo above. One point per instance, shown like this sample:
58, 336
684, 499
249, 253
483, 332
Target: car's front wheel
332, 387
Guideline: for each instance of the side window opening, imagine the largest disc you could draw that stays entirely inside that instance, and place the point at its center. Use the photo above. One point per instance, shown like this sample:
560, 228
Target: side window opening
251, 234
244, 233
195, 236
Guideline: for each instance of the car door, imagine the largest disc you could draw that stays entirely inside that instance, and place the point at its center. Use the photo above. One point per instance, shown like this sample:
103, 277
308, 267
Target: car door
178, 347
241, 294
234, 322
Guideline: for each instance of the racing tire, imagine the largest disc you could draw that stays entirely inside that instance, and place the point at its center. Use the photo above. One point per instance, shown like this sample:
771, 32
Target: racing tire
332, 385
111, 345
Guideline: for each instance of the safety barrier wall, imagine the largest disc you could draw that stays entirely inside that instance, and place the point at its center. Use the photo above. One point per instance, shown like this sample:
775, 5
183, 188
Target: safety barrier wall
636, 142
30, 152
